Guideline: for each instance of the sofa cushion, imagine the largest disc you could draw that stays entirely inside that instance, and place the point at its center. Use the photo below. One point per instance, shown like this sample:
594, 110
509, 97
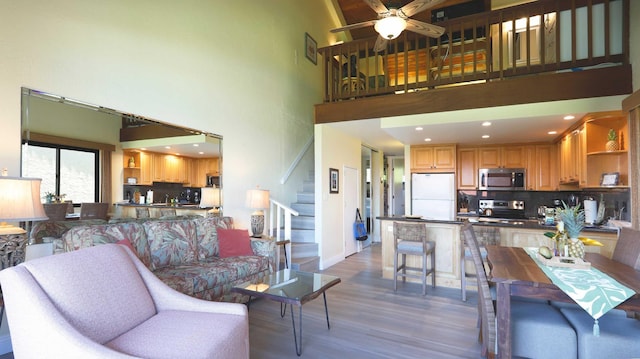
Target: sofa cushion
171, 243
198, 277
234, 242
206, 231
113, 301
88, 236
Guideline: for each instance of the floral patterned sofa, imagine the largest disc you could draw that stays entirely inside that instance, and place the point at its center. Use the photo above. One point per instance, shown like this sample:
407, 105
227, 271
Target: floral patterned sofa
52, 231
183, 253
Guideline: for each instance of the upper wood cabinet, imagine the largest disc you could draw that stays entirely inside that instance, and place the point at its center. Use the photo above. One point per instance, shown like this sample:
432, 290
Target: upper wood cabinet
542, 168
467, 168
433, 158
502, 157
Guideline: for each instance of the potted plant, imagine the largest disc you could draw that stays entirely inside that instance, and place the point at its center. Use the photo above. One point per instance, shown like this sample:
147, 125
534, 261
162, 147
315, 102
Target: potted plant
572, 219
612, 141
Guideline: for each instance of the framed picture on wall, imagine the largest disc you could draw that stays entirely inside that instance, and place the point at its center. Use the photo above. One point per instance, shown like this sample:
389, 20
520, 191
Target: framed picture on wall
333, 180
311, 48
610, 179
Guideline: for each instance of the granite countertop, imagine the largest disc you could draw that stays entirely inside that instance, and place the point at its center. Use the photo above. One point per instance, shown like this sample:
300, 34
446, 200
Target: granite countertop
497, 222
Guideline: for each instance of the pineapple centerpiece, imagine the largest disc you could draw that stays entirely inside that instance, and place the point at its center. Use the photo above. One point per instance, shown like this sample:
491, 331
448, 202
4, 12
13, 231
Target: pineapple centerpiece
612, 141
573, 223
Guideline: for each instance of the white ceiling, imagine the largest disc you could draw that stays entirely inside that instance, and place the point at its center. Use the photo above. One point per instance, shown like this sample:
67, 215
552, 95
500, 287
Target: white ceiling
509, 124
196, 146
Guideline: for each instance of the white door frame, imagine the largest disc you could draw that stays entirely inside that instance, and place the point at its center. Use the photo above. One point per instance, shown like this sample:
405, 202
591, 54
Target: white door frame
351, 198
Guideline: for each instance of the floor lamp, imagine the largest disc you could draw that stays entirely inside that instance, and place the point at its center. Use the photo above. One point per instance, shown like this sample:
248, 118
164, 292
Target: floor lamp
257, 199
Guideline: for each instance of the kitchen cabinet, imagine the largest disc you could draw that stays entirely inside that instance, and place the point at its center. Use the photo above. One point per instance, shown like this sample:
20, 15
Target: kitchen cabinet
433, 158
145, 168
571, 154
467, 168
502, 157
598, 159
542, 167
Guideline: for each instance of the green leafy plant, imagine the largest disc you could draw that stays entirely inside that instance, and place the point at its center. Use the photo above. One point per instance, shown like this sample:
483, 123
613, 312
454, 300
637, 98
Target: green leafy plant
612, 136
573, 219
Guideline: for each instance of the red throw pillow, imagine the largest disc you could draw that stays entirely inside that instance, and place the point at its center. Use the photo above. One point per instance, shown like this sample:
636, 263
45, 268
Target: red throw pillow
234, 242
125, 242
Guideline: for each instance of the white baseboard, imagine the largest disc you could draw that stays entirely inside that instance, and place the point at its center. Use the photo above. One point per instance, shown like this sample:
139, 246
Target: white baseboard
326, 263
5, 344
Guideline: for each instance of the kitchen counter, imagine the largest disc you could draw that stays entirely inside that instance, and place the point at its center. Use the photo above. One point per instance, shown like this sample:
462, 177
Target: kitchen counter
128, 210
505, 232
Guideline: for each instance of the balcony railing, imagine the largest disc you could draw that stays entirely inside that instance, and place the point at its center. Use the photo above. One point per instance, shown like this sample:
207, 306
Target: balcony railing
535, 38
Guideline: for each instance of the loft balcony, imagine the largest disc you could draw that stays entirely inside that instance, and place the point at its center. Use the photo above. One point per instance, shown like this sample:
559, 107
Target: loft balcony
536, 52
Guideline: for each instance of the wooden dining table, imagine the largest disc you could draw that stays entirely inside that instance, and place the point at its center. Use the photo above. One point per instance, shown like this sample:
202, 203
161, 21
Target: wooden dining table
515, 273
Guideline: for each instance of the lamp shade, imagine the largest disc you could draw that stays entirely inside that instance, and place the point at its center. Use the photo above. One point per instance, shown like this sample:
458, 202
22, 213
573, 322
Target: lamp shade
257, 199
390, 27
20, 199
209, 197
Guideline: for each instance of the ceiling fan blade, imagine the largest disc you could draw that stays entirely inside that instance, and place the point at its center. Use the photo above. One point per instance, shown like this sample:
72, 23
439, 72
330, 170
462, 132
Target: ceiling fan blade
376, 5
380, 45
354, 26
417, 6
425, 28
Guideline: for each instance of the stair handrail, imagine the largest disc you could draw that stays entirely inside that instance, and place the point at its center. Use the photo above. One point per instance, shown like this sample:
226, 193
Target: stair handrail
297, 160
278, 212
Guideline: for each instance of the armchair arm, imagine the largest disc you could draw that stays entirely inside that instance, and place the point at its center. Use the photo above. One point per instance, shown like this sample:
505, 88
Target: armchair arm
265, 247
32, 315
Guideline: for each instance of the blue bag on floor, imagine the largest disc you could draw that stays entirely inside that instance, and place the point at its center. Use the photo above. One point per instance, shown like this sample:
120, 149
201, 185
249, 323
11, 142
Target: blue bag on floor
359, 230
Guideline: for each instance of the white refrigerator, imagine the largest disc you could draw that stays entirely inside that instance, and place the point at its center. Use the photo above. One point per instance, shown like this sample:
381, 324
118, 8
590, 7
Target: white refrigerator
433, 196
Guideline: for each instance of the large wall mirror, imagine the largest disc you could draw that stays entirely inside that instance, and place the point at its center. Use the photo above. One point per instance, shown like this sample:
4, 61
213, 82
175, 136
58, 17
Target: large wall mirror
88, 153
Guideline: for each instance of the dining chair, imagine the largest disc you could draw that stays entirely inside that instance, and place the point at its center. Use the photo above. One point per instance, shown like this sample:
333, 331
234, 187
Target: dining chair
627, 250
55, 211
411, 239
142, 212
538, 330
488, 235
94, 210
167, 212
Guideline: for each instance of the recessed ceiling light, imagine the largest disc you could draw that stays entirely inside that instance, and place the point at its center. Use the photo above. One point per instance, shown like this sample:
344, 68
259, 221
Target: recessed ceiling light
167, 147
143, 149
552, 132
177, 154
418, 128
486, 123
485, 136
195, 145
569, 117
427, 139
201, 153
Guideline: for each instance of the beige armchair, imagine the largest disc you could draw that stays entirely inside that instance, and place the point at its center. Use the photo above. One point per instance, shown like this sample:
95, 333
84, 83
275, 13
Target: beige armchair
102, 302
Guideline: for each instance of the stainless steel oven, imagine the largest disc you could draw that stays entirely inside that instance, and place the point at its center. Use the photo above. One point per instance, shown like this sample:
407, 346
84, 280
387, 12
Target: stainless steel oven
501, 179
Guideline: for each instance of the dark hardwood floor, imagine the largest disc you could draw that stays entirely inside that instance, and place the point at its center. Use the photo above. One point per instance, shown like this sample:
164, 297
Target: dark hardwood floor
368, 320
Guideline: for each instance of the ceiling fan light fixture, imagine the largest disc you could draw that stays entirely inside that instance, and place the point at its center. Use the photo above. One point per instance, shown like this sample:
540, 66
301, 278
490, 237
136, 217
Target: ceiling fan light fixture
390, 27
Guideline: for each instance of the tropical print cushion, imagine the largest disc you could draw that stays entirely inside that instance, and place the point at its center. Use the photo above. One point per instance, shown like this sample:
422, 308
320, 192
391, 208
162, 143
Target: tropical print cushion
206, 229
171, 243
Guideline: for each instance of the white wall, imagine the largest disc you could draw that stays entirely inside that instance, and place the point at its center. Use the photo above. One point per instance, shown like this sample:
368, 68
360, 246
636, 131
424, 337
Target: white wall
333, 149
234, 68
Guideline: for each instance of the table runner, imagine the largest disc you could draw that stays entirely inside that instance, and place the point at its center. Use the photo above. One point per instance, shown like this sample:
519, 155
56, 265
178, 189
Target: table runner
592, 290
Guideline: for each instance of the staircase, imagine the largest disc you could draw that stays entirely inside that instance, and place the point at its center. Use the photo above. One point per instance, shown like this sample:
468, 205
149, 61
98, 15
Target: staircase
298, 225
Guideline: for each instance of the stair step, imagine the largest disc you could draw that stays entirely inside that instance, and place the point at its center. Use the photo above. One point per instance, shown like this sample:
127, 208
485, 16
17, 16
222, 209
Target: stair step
301, 250
306, 264
303, 235
306, 197
309, 186
303, 222
305, 209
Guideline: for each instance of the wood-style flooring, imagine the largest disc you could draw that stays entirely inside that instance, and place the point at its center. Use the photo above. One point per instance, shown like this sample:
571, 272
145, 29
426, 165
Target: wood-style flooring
368, 320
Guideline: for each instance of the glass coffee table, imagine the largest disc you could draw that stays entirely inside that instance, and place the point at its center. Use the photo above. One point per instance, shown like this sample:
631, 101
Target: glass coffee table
291, 287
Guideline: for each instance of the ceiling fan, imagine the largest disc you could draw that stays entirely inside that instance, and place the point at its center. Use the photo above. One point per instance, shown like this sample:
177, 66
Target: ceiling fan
392, 21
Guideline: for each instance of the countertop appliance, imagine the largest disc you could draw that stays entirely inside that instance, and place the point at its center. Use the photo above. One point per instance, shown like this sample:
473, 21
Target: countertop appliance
433, 196
513, 209
501, 179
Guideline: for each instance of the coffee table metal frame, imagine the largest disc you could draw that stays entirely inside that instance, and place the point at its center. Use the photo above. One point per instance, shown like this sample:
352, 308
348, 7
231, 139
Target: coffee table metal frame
291, 287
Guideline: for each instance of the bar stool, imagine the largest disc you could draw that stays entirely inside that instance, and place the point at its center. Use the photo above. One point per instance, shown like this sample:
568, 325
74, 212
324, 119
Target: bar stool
411, 239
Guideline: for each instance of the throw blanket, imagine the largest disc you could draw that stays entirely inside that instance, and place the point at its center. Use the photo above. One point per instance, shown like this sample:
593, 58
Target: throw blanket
592, 290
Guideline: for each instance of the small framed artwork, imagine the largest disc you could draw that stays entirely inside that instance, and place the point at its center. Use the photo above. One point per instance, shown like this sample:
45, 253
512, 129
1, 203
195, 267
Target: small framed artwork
311, 48
333, 180
610, 179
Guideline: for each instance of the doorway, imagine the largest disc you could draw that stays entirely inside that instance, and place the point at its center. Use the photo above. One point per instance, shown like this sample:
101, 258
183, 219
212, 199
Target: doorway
351, 194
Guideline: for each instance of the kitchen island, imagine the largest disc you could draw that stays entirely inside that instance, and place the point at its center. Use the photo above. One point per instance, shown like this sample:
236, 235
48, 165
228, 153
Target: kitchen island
128, 210
449, 247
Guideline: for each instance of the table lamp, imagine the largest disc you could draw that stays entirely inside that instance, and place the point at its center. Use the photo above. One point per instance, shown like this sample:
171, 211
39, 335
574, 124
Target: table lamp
19, 202
257, 199
210, 197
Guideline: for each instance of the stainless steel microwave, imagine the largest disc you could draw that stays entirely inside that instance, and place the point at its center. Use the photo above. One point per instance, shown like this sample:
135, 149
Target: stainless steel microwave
501, 179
